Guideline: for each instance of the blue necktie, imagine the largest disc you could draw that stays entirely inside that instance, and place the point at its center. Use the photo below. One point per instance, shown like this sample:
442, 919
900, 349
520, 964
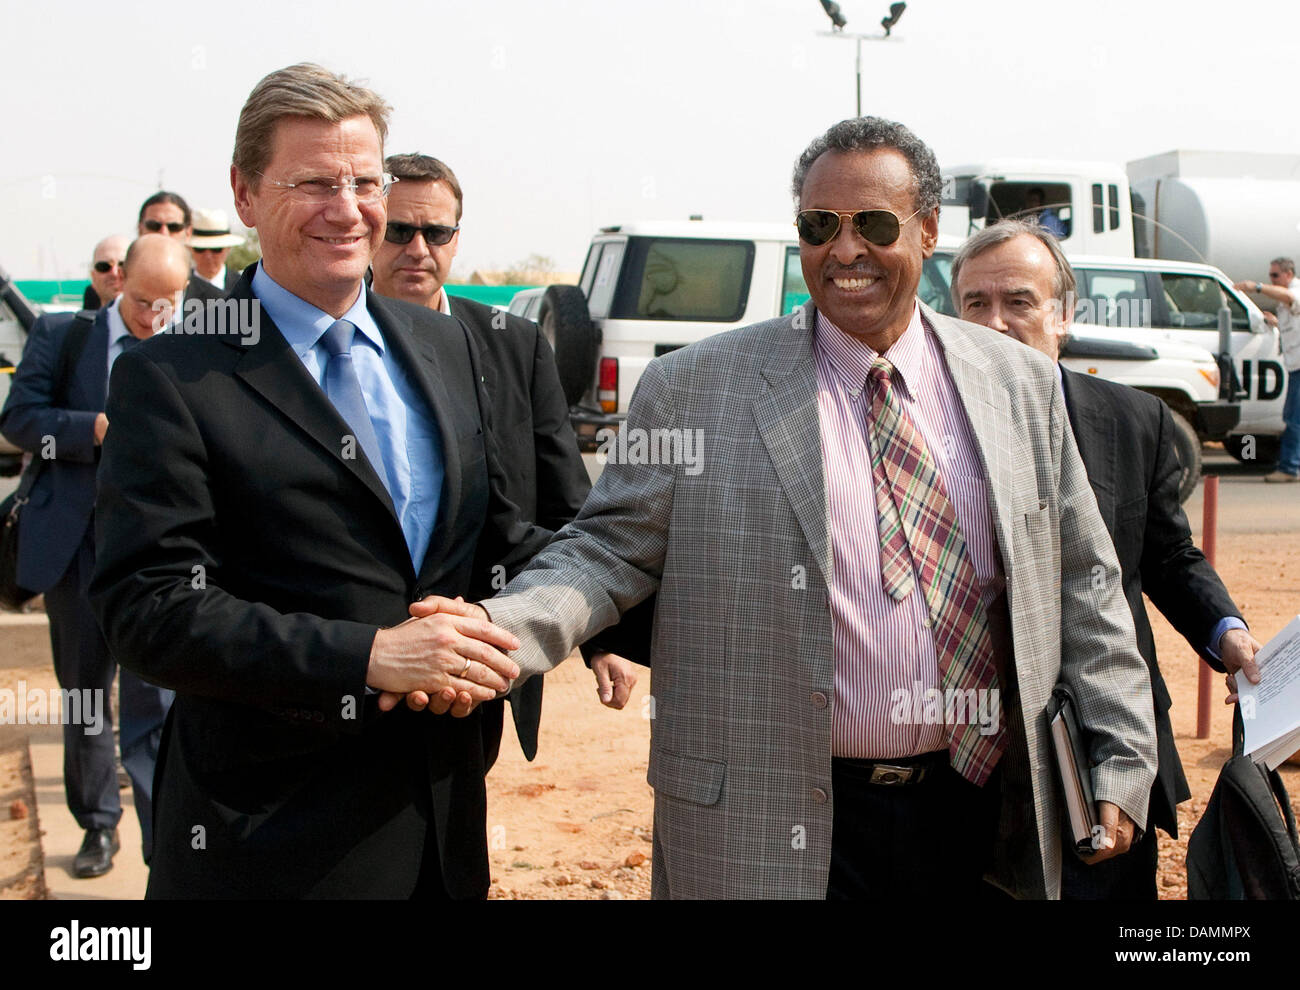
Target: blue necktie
344, 390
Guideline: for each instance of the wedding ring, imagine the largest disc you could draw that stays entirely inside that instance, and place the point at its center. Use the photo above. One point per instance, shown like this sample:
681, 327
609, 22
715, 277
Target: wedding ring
466, 670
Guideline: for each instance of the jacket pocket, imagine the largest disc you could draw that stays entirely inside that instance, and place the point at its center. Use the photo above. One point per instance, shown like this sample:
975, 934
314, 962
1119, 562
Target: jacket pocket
686, 777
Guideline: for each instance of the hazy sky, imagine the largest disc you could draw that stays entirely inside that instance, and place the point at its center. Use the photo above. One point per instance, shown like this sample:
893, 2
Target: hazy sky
563, 116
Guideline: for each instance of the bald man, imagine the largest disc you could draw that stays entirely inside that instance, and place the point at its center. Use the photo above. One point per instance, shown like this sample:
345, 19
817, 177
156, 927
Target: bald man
105, 272
55, 409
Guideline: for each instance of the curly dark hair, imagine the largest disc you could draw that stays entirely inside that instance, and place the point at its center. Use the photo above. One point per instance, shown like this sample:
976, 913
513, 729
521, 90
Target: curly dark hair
869, 134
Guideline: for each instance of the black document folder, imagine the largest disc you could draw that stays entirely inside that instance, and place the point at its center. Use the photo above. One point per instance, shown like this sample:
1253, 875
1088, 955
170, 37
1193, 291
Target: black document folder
1074, 768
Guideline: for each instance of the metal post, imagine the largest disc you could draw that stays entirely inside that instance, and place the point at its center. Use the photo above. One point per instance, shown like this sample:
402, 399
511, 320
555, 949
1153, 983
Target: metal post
859, 68
1209, 545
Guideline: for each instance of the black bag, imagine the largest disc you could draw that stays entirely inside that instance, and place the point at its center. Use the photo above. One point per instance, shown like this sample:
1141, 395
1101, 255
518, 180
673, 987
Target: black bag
12, 594
1245, 845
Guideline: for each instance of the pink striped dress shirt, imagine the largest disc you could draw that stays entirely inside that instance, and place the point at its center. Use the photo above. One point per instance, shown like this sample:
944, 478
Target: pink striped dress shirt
884, 651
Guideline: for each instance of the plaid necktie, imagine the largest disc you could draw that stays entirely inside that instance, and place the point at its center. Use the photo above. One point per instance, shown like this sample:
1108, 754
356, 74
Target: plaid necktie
914, 512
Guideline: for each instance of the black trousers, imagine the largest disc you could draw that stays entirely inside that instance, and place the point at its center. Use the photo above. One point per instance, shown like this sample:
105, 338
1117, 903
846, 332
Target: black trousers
930, 840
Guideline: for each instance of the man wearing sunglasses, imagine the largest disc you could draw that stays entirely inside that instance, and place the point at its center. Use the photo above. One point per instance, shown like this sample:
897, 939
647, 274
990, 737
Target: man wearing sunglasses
1283, 288
56, 410
544, 470
105, 272
168, 214
892, 526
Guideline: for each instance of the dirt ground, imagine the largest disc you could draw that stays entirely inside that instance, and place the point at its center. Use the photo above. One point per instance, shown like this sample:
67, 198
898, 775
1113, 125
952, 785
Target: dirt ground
575, 824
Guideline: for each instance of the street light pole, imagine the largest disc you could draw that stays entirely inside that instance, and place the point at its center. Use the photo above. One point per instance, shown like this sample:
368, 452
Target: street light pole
859, 38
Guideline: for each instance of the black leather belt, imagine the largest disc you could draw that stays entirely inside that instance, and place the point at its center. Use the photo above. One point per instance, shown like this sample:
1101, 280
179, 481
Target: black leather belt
899, 771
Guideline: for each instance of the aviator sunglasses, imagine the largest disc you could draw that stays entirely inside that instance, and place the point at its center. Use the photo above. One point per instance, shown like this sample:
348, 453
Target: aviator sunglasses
435, 234
155, 226
879, 227
104, 267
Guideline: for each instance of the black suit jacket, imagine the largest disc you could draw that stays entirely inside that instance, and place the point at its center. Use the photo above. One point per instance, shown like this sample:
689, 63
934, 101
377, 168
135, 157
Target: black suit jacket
199, 287
544, 473
1126, 439
246, 563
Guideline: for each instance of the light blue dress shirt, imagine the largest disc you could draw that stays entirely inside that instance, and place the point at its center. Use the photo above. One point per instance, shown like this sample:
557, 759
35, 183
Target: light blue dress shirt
409, 441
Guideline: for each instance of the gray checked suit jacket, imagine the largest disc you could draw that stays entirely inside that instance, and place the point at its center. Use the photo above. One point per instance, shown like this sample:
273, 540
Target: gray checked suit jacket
736, 544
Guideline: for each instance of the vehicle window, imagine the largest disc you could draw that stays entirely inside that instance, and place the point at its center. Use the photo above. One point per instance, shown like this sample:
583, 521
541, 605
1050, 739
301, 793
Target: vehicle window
935, 287
1048, 203
604, 279
589, 268
1194, 302
682, 279
1114, 206
1115, 299
1098, 210
794, 290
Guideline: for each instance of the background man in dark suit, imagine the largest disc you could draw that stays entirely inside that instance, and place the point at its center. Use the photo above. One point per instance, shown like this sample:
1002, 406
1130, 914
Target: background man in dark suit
1014, 278
545, 475
168, 214
211, 241
105, 272
55, 410
271, 503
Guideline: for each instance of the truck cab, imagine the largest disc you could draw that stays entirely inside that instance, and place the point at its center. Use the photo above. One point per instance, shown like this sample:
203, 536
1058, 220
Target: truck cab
1087, 205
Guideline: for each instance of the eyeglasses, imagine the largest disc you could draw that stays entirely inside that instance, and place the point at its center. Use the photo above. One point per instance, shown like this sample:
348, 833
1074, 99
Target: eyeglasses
1274, 274
206, 250
880, 227
154, 226
366, 188
435, 234
104, 267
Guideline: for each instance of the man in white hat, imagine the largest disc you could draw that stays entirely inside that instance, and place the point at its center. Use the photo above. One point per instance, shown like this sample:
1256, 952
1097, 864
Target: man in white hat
211, 241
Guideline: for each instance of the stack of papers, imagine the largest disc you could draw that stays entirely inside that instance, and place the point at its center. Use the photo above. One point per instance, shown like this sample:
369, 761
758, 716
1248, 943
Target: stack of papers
1270, 710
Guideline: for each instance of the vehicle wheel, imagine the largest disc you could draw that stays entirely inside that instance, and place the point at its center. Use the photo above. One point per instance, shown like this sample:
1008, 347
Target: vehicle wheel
1265, 452
1187, 445
573, 336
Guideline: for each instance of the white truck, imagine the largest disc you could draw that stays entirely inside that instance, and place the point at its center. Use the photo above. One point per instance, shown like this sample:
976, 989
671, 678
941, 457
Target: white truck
649, 288
1232, 210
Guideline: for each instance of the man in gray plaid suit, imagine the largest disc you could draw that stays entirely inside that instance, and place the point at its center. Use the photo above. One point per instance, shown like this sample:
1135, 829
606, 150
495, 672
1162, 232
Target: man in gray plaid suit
888, 513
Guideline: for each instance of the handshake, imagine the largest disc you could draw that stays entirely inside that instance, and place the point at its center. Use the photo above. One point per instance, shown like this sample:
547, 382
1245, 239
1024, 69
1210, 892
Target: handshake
448, 658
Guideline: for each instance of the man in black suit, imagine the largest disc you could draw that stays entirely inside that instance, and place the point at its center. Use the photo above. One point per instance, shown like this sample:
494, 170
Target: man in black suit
545, 475
271, 500
168, 214
55, 409
105, 272
1014, 278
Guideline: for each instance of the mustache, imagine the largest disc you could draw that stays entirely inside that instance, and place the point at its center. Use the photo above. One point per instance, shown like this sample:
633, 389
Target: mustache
852, 271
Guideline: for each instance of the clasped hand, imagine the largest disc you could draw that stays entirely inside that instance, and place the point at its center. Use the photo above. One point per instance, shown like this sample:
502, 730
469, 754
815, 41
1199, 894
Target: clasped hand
447, 650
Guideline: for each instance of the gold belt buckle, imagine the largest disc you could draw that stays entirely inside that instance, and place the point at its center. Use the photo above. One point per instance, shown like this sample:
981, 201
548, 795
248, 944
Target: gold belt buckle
889, 776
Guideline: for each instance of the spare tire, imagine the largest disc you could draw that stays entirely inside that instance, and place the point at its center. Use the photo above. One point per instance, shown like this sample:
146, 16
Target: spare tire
569, 329
1187, 445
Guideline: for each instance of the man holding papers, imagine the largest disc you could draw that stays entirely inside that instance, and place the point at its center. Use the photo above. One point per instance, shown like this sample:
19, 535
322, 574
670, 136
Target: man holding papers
1013, 278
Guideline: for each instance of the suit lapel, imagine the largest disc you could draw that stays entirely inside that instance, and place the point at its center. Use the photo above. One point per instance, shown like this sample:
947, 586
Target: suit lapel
418, 353
787, 420
988, 407
1094, 427
274, 371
